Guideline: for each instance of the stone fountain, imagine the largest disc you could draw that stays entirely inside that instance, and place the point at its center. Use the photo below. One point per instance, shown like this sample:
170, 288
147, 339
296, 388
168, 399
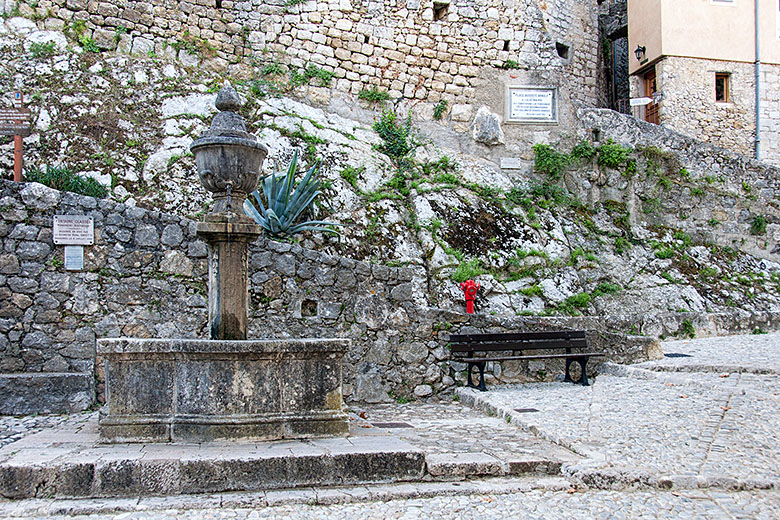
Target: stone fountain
228, 386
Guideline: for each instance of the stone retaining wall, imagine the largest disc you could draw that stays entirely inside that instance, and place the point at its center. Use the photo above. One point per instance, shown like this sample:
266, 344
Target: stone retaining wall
718, 201
418, 51
146, 277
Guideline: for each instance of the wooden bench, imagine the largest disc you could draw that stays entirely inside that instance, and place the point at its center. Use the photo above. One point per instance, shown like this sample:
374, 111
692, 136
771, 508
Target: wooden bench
469, 344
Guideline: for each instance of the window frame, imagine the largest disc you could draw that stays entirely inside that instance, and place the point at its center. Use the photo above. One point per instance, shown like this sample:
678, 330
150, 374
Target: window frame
726, 77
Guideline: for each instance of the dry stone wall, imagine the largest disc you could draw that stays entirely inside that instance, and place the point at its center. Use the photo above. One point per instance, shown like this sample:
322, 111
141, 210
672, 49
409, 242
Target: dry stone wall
145, 277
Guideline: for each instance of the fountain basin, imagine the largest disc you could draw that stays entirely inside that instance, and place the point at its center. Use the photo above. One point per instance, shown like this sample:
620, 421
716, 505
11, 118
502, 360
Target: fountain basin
195, 390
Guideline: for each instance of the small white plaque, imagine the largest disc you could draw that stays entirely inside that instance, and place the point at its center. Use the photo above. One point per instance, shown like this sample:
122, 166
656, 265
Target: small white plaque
74, 230
512, 163
74, 258
532, 105
640, 101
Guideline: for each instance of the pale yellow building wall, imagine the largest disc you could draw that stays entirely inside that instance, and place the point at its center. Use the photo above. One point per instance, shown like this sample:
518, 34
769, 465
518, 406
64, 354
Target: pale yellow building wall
703, 29
644, 28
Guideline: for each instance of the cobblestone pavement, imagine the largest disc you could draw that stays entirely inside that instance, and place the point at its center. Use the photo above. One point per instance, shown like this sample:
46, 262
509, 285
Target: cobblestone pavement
652, 424
705, 426
14, 428
537, 504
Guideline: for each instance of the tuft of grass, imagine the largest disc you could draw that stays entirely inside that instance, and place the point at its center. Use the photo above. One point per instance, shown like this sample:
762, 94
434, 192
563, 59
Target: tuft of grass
398, 141
64, 179
549, 161
606, 288
88, 44
612, 155
351, 174
439, 109
621, 245
467, 270
571, 304
373, 95
40, 50
758, 226
534, 290
686, 330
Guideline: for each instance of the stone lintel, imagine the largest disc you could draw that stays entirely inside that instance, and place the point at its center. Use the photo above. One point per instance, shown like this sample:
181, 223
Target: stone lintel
107, 347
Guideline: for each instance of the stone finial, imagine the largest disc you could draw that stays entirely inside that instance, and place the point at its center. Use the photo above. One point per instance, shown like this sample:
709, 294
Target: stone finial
228, 99
228, 158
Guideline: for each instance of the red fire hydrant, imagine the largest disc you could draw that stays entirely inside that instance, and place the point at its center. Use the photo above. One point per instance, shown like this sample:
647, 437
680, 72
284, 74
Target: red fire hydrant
469, 288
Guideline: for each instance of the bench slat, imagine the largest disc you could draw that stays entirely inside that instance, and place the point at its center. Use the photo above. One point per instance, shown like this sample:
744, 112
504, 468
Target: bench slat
541, 356
455, 338
520, 345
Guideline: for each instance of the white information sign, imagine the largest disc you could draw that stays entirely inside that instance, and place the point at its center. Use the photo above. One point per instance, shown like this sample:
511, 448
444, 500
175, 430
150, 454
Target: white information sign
74, 230
74, 258
532, 105
512, 163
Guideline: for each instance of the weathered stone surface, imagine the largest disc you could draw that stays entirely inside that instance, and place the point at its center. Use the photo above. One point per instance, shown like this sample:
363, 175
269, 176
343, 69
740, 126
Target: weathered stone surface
203, 390
487, 127
368, 385
45, 393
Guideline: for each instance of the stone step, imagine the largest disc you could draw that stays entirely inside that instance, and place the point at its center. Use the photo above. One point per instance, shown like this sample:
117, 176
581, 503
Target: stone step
45, 392
449, 466
173, 470
69, 462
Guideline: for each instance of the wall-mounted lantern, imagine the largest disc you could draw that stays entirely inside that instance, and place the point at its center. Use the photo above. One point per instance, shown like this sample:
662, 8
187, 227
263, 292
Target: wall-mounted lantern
640, 52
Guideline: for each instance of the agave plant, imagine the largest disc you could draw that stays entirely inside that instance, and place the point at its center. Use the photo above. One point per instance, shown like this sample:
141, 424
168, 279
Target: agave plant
284, 202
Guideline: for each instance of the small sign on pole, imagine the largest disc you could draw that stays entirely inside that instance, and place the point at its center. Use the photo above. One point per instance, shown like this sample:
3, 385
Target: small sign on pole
16, 122
641, 101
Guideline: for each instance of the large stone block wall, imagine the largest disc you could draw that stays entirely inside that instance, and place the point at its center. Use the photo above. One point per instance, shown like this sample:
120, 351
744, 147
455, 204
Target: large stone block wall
416, 50
146, 277
689, 105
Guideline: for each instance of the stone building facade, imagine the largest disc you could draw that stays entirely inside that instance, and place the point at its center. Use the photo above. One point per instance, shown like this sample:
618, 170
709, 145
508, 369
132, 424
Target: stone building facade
698, 61
689, 104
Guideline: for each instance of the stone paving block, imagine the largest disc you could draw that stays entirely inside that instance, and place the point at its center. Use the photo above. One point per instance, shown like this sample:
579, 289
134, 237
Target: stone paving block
459, 465
177, 502
243, 500
291, 496
341, 495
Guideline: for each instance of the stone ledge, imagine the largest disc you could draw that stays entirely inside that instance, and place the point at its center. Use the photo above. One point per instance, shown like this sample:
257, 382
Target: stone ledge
182, 469
22, 394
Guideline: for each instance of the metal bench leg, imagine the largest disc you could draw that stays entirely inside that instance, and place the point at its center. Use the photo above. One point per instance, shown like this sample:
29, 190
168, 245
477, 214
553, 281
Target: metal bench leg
482, 386
567, 375
481, 367
469, 383
584, 378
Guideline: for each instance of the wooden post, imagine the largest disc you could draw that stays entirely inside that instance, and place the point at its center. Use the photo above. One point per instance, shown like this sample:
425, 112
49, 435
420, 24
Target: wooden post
18, 158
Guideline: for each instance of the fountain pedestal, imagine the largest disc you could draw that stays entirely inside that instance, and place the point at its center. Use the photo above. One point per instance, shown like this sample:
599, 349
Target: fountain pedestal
228, 387
228, 238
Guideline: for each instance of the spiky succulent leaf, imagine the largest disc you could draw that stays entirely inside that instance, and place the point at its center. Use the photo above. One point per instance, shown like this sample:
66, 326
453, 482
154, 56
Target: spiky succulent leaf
285, 202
